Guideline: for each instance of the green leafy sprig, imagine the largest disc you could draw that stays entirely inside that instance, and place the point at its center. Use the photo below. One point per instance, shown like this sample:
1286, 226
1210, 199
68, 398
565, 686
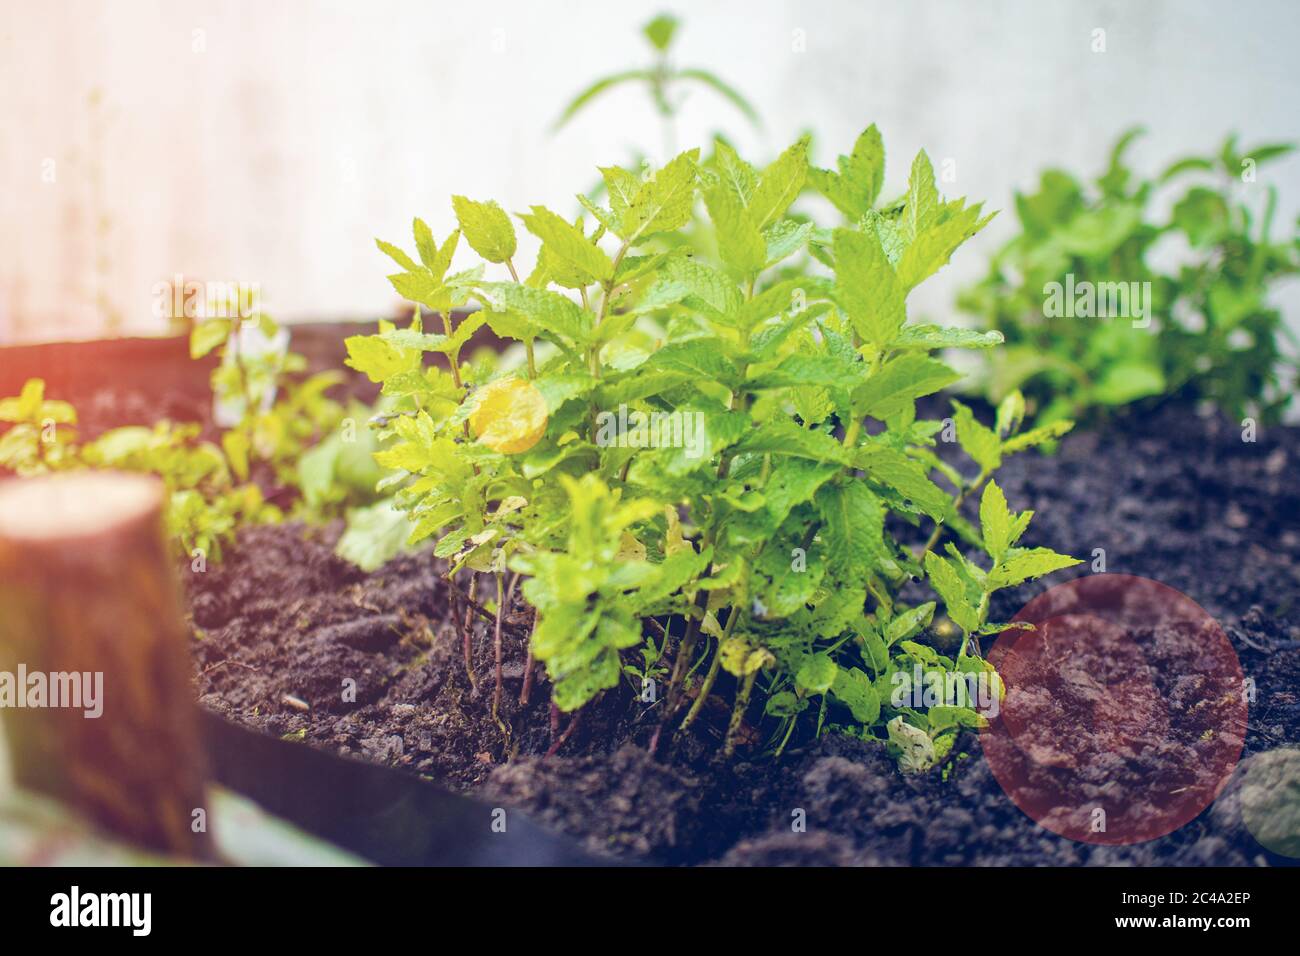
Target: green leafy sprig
663, 80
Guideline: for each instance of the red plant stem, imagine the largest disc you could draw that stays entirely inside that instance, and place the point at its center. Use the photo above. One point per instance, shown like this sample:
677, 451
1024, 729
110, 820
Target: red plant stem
568, 731
453, 599
528, 679
686, 650
654, 739
528, 671
467, 633
496, 647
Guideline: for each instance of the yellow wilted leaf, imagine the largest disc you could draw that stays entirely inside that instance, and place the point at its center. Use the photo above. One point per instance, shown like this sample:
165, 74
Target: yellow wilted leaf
630, 549
511, 503
674, 541
741, 659
510, 416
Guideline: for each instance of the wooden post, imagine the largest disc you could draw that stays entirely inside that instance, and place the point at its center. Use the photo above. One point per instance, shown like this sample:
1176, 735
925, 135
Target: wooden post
89, 607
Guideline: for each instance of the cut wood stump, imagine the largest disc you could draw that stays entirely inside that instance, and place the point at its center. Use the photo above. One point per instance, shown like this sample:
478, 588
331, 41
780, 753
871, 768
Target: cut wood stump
89, 604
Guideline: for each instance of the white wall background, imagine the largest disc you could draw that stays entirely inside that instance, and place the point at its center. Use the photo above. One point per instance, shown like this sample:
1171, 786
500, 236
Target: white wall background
269, 142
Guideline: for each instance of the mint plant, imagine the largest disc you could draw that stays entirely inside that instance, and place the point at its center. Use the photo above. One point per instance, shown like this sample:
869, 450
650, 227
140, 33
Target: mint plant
40, 434
1203, 328
292, 435
689, 464
663, 80
281, 415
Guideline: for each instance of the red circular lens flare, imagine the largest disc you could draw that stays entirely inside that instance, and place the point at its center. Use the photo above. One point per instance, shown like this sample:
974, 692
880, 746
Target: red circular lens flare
1124, 713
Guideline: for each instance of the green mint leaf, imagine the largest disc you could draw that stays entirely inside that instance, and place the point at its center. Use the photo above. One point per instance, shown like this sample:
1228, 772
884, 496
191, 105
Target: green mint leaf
425, 245
709, 290
783, 437
204, 337
702, 359
397, 255
930, 337
660, 31
854, 188
422, 287
867, 287
602, 85
555, 314
831, 371
976, 439
573, 260
931, 249
1036, 436
904, 625
603, 216
793, 482
437, 259
1011, 413
622, 186
895, 470
996, 521
740, 245
922, 207
1021, 565
380, 359
947, 583
662, 203
733, 172
788, 295
854, 521
784, 238
945, 717
513, 325
852, 688
486, 228
898, 383
779, 185
777, 592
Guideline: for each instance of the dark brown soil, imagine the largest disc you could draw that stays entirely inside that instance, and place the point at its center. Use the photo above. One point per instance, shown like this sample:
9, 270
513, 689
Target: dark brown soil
1180, 499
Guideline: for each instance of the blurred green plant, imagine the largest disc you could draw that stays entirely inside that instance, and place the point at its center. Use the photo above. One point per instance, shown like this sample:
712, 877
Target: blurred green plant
275, 418
1094, 315
284, 422
40, 436
290, 439
662, 79
205, 504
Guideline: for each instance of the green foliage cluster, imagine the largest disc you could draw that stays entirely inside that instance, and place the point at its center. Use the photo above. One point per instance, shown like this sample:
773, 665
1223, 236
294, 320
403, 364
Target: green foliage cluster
1211, 261
763, 549
287, 425
41, 432
299, 440
205, 502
